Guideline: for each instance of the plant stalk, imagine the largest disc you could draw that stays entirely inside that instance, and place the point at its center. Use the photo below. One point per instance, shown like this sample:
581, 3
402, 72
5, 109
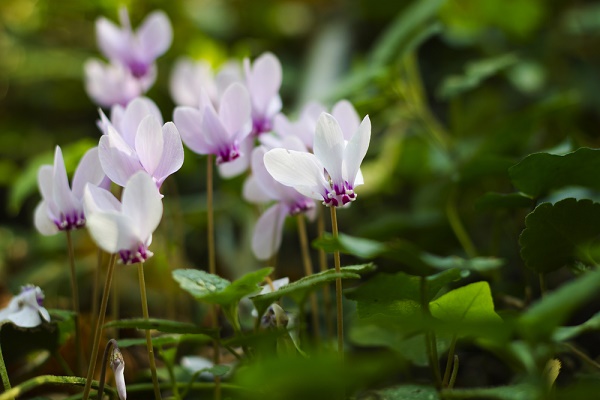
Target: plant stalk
4, 373
109, 346
338, 288
96, 288
450, 362
430, 340
322, 268
75, 300
308, 269
99, 325
148, 337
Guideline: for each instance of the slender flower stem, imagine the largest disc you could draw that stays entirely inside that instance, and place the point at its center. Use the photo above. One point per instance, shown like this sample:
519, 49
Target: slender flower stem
430, 340
114, 306
3, 373
75, 300
148, 337
338, 287
99, 325
109, 346
322, 268
308, 268
458, 227
454, 373
450, 362
96, 288
212, 264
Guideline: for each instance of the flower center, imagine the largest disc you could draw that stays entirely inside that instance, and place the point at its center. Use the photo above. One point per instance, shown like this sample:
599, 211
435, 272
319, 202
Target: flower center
72, 220
260, 125
301, 206
138, 68
138, 255
339, 195
228, 154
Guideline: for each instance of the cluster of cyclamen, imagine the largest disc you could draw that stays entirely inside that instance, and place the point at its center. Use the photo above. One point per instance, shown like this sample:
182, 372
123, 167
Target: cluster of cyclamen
225, 115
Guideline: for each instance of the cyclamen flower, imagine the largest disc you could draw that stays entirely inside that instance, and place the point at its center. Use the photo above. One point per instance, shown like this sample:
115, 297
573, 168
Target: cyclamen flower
117, 364
125, 228
135, 50
332, 172
261, 188
263, 80
135, 141
205, 131
26, 309
61, 207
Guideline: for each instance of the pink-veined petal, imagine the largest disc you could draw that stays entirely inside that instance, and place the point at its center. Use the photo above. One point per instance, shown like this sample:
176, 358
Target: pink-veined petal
134, 114
329, 146
213, 129
89, 170
63, 197
155, 35
142, 203
42, 221
264, 81
188, 121
300, 170
234, 109
96, 199
149, 143
172, 157
112, 231
253, 192
112, 41
118, 165
345, 114
268, 231
356, 149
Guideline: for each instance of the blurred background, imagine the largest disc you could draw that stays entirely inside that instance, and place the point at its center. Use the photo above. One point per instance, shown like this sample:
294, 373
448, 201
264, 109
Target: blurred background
457, 92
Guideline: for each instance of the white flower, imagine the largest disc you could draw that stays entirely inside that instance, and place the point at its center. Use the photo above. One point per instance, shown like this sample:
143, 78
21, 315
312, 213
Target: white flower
25, 309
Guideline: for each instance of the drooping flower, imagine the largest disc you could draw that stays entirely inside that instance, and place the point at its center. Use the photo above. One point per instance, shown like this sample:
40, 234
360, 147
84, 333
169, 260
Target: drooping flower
117, 364
61, 207
261, 188
135, 141
135, 50
110, 84
271, 287
26, 309
206, 131
263, 80
125, 228
332, 172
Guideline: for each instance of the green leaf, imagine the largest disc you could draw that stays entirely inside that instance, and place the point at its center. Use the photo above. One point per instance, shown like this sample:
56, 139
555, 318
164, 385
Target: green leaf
359, 247
213, 289
544, 316
539, 173
479, 264
568, 332
166, 340
490, 201
559, 235
514, 392
408, 392
300, 289
161, 325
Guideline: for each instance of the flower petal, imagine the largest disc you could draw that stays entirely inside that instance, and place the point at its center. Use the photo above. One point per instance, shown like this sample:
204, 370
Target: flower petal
188, 121
234, 110
42, 221
264, 81
112, 41
253, 192
329, 146
133, 116
268, 231
149, 143
96, 199
112, 231
63, 197
300, 170
263, 178
27, 317
213, 129
234, 168
118, 165
89, 170
356, 149
172, 157
142, 203
45, 179
343, 111
155, 35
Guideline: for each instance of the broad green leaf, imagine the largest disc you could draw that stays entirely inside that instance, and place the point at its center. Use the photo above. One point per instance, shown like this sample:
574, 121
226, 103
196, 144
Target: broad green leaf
479, 264
544, 316
213, 289
300, 289
568, 332
468, 305
509, 201
359, 247
161, 325
165, 340
540, 173
514, 392
558, 235
408, 392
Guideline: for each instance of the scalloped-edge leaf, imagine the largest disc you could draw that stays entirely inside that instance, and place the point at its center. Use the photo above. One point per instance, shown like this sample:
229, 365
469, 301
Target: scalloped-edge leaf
213, 289
544, 316
496, 201
161, 325
299, 290
557, 235
539, 173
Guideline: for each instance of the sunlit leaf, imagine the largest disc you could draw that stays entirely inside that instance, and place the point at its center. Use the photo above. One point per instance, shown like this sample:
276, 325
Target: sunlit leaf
514, 392
161, 325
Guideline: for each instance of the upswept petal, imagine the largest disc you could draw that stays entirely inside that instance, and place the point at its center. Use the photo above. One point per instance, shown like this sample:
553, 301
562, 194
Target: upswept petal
135, 112
89, 170
117, 164
111, 39
253, 192
142, 203
155, 35
213, 129
188, 121
172, 157
300, 170
268, 184
96, 199
188, 78
343, 111
268, 230
42, 220
329, 146
264, 81
27, 317
234, 110
110, 84
356, 149
112, 231
63, 197
149, 143
45, 182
